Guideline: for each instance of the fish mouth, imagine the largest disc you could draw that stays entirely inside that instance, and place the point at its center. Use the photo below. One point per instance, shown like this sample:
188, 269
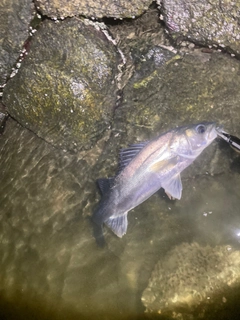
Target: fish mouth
214, 131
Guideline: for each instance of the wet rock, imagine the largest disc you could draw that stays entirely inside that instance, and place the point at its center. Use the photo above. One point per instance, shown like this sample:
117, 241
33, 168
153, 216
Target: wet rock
3, 118
15, 17
203, 22
136, 36
93, 9
189, 276
65, 88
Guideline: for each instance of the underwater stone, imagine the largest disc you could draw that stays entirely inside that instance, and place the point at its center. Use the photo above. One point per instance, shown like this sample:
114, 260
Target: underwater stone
65, 89
204, 22
192, 275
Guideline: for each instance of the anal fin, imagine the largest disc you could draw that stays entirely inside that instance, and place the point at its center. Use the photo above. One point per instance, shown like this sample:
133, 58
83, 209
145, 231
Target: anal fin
118, 225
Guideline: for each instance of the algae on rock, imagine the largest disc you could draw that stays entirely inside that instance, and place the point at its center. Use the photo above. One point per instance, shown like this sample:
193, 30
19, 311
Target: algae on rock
65, 88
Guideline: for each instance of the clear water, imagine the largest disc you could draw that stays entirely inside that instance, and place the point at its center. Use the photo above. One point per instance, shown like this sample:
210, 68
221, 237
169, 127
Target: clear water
50, 265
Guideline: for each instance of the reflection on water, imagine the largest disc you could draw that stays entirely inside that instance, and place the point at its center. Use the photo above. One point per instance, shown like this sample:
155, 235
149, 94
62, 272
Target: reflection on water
51, 267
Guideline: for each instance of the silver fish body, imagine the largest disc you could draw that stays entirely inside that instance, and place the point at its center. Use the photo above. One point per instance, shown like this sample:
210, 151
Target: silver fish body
146, 167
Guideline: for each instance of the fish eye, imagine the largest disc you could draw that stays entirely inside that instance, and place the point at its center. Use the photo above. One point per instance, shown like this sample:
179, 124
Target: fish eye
201, 128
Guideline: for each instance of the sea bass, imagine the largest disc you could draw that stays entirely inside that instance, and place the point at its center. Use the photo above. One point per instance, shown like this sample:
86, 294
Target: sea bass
145, 168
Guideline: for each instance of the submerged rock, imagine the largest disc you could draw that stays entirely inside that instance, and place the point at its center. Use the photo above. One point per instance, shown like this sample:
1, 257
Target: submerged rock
207, 23
191, 275
65, 88
93, 9
15, 17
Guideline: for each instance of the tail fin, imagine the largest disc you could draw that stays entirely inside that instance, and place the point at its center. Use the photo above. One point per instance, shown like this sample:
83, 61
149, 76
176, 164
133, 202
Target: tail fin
105, 184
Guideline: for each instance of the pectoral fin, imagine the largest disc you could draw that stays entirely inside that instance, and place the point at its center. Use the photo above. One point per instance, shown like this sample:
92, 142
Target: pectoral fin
173, 187
118, 224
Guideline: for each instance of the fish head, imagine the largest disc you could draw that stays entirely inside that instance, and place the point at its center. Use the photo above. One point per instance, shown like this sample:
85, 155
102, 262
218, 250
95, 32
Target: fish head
193, 139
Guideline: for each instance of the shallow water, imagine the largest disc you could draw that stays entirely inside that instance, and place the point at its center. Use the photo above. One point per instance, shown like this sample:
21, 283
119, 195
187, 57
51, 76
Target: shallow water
51, 267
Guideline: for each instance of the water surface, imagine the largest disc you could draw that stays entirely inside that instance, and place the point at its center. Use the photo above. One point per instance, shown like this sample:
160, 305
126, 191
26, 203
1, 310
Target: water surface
51, 267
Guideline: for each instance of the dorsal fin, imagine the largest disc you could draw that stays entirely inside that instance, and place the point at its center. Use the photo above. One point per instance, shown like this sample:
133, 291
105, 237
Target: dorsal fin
126, 155
105, 184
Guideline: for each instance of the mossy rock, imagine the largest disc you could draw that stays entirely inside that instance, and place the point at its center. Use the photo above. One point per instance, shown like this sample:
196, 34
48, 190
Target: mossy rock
65, 88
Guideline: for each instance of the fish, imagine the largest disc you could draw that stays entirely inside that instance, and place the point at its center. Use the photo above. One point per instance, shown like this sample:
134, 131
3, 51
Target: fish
146, 167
